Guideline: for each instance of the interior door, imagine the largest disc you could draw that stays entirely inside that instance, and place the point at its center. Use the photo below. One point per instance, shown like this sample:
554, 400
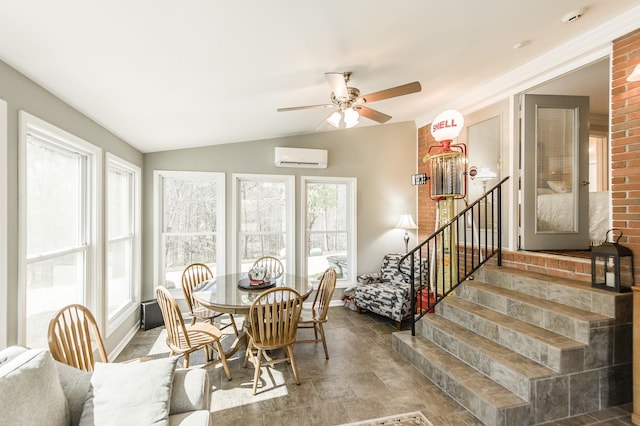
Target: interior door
554, 184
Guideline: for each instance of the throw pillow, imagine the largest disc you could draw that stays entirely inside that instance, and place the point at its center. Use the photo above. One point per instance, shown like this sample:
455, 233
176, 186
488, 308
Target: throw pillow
137, 393
30, 392
558, 186
75, 384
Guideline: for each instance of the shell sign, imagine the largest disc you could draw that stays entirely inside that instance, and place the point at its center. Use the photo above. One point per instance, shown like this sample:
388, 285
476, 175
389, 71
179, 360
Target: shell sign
447, 125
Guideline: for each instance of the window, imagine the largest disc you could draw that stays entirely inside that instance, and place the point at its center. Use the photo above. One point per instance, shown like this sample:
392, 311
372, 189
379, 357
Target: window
329, 225
264, 220
59, 239
123, 238
189, 223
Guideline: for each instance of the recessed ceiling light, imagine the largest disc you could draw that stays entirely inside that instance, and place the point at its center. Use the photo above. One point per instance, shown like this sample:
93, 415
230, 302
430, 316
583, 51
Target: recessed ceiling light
574, 15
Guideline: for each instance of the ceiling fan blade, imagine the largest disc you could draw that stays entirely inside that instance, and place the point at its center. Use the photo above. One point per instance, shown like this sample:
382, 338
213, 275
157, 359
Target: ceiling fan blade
338, 84
404, 89
374, 115
305, 107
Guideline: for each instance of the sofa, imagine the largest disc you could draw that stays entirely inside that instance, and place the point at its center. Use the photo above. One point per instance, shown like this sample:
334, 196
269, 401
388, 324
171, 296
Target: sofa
37, 390
388, 292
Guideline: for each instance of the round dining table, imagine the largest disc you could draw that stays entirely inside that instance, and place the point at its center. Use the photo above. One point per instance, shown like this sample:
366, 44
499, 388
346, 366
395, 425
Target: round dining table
233, 294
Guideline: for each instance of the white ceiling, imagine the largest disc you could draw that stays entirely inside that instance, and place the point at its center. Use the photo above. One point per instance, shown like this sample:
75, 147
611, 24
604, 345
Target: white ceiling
168, 74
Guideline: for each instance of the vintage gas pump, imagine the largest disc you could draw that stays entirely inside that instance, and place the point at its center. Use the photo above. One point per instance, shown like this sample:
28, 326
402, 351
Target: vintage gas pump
447, 170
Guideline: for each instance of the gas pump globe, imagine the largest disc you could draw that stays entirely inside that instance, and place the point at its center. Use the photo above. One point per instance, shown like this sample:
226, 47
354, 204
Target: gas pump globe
447, 170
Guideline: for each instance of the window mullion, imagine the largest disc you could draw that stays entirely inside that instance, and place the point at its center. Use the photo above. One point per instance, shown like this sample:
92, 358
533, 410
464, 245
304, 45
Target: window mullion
57, 254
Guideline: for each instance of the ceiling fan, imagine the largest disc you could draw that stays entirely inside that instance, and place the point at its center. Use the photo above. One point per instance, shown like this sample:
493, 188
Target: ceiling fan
350, 105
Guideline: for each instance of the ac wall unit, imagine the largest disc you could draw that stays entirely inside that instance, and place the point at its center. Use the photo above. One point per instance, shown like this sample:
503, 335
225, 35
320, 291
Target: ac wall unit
301, 157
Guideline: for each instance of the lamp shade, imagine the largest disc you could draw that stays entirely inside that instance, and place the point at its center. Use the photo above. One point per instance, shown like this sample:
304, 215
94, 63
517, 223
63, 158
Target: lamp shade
406, 222
485, 174
334, 119
351, 117
635, 75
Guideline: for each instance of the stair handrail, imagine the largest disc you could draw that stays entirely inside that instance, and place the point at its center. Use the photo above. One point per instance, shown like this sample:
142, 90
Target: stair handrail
420, 306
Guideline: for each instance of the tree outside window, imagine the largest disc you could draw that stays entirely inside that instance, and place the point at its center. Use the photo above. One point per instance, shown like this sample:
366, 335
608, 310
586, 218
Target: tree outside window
191, 207
330, 219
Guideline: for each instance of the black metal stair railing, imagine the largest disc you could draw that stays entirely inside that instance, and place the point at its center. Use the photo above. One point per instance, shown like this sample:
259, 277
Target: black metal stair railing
454, 252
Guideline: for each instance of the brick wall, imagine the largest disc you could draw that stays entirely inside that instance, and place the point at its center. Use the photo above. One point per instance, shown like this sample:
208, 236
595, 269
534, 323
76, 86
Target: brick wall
625, 172
426, 206
625, 144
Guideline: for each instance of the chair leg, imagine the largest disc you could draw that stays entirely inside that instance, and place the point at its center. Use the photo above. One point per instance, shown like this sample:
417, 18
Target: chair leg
294, 366
247, 353
324, 340
256, 373
233, 324
186, 360
223, 359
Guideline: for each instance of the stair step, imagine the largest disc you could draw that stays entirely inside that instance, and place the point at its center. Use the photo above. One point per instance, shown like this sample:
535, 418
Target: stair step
506, 367
490, 402
568, 321
559, 353
561, 290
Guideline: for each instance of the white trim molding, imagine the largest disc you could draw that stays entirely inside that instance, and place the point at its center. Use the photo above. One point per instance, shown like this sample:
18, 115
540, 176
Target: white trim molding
4, 239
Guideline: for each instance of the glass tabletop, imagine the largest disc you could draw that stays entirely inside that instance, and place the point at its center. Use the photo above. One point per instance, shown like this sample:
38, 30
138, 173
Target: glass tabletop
227, 294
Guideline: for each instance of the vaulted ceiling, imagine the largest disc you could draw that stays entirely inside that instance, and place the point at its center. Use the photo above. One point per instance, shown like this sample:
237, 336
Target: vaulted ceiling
164, 74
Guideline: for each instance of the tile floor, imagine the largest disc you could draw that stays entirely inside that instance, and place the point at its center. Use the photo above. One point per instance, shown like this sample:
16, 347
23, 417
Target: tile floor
363, 379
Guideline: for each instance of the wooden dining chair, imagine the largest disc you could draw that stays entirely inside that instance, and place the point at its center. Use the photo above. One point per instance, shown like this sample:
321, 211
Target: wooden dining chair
272, 265
74, 337
184, 340
318, 314
193, 275
273, 324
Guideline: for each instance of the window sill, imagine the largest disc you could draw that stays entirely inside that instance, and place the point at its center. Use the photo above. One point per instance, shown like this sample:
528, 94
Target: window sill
344, 284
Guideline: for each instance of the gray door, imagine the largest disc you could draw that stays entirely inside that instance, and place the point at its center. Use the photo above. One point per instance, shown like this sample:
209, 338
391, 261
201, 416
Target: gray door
554, 187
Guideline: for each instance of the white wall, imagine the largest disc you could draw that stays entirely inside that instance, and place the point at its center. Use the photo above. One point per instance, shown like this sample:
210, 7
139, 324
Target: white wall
381, 157
21, 93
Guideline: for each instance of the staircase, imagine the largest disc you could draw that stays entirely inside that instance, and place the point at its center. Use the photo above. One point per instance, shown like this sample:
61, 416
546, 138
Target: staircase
520, 348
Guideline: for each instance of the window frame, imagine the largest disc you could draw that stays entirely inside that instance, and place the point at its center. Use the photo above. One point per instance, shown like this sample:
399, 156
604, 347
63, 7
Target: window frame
92, 215
158, 214
352, 223
289, 182
114, 162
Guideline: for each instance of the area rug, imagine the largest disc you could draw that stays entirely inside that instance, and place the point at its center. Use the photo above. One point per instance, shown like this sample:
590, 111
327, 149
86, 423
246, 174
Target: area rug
415, 418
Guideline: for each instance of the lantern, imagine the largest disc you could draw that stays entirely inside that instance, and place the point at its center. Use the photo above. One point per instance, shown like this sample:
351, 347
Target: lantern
612, 266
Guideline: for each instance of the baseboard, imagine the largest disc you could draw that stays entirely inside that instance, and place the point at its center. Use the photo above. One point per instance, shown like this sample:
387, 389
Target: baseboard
123, 343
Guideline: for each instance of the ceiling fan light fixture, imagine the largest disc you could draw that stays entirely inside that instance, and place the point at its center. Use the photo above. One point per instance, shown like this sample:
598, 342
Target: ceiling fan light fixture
334, 119
351, 117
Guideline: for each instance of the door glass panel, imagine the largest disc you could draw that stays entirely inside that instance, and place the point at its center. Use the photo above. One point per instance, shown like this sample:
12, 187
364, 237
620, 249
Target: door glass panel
555, 163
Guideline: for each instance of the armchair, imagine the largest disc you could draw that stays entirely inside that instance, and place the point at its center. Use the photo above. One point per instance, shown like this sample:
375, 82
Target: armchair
387, 293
